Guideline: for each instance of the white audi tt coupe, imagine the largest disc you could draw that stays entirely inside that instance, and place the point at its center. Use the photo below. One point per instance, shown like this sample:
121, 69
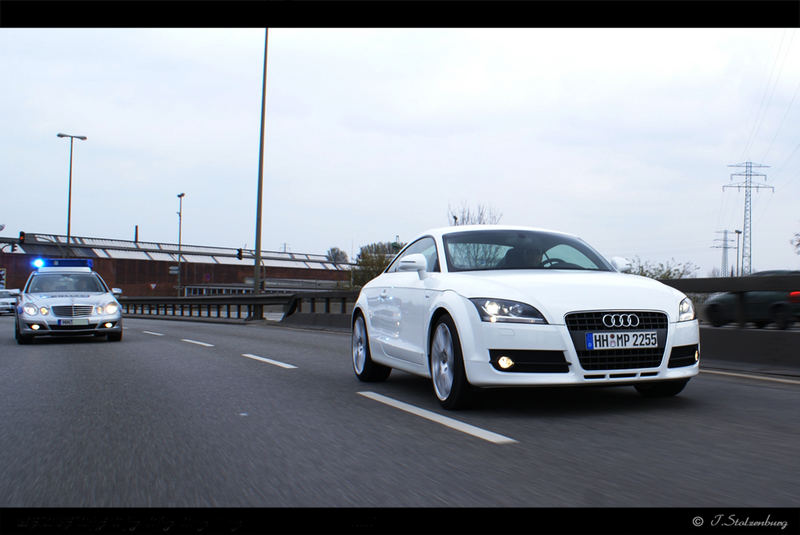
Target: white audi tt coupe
492, 306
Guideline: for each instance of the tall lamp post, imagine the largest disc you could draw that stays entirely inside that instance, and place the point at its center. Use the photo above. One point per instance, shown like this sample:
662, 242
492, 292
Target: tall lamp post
257, 310
69, 192
737, 251
180, 218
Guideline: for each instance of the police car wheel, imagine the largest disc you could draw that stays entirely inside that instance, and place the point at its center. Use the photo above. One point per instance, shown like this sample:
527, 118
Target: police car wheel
21, 338
114, 337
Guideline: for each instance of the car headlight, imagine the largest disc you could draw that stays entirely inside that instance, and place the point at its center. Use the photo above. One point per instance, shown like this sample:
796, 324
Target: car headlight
30, 309
686, 310
503, 311
109, 308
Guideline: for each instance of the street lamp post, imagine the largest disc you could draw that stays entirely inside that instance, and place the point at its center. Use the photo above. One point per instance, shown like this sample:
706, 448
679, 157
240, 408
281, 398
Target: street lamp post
737, 251
69, 192
180, 220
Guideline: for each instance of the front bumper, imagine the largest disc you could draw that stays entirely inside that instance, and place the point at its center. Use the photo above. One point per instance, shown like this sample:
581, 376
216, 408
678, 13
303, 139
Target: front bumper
54, 326
556, 340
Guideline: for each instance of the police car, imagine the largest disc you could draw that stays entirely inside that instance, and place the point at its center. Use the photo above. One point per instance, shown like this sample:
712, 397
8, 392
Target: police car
64, 297
8, 301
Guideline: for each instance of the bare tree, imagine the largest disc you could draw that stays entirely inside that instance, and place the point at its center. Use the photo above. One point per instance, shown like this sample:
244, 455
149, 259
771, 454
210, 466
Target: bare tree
373, 259
663, 270
336, 255
480, 215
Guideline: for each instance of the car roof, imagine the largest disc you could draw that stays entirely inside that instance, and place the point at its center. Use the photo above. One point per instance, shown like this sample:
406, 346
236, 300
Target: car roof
441, 231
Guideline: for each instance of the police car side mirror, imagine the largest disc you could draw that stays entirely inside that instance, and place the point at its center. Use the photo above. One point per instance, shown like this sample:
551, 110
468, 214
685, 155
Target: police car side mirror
116, 291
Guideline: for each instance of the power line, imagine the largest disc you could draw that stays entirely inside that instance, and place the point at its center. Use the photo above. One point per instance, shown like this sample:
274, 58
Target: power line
748, 186
762, 107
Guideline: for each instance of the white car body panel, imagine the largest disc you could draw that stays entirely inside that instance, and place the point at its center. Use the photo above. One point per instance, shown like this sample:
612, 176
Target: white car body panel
399, 309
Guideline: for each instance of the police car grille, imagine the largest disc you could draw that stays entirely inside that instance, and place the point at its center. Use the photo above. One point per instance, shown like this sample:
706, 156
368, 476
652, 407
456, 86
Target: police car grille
73, 311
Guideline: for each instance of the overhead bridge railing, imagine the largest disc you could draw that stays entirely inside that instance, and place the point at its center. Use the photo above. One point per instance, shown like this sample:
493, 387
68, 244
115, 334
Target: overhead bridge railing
241, 307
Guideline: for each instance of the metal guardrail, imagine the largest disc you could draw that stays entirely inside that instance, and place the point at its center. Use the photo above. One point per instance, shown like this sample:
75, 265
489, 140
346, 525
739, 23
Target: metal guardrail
239, 307
251, 307
738, 286
781, 283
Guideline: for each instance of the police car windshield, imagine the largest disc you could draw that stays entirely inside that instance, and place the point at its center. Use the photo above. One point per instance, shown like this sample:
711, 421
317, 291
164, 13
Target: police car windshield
65, 282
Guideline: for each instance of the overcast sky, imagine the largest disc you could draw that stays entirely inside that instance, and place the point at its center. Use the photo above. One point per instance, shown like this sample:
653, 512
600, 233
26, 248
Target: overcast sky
621, 136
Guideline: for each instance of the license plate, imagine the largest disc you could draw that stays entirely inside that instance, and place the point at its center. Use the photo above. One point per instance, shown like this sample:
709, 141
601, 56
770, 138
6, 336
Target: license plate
621, 340
73, 322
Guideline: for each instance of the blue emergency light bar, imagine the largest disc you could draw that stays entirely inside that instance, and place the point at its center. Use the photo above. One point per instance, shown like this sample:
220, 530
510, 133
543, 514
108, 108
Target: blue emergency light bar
62, 262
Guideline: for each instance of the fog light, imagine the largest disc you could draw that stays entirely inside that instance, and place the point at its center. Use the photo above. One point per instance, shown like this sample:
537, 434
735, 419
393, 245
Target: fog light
697, 355
505, 362
108, 325
35, 327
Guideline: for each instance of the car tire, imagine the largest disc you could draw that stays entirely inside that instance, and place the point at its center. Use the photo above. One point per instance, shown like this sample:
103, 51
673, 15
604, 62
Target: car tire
714, 315
114, 337
661, 389
364, 367
446, 366
781, 316
22, 339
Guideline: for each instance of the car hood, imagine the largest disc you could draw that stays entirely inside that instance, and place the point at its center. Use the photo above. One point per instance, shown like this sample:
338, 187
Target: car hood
69, 298
558, 292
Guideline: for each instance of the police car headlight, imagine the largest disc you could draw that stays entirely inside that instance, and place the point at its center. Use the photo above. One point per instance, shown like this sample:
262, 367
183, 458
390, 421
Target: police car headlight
30, 309
111, 308
44, 311
686, 310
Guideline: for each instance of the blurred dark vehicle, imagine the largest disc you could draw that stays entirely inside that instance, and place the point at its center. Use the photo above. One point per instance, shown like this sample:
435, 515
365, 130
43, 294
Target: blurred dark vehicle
761, 308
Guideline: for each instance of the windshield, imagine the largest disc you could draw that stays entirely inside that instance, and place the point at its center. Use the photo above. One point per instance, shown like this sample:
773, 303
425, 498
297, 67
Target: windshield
482, 250
65, 282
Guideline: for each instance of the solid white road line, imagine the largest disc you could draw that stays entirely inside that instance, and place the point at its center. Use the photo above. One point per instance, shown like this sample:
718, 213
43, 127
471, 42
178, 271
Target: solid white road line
438, 418
757, 377
151, 332
268, 361
196, 342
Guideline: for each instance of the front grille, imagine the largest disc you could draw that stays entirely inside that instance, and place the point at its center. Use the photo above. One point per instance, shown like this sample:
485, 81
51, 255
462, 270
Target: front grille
593, 321
528, 361
72, 311
682, 356
580, 323
73, 327
621, 359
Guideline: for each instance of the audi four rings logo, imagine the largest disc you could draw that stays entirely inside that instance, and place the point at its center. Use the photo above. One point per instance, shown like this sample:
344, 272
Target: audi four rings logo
621, 320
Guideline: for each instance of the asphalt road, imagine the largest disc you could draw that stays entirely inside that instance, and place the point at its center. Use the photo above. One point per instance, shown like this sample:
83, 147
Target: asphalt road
160, 420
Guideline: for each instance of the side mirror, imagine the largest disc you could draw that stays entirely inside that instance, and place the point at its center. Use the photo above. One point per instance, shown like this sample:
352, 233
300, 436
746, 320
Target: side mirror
116, 291
621, 264
414, 262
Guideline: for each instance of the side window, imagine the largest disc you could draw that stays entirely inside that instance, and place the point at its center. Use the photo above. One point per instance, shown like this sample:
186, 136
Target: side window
424, 246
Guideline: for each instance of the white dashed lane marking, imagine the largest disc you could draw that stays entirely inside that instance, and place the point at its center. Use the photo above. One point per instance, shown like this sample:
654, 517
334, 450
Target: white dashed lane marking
756, 377
438, 418
268, 361
196, 342
151, 332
